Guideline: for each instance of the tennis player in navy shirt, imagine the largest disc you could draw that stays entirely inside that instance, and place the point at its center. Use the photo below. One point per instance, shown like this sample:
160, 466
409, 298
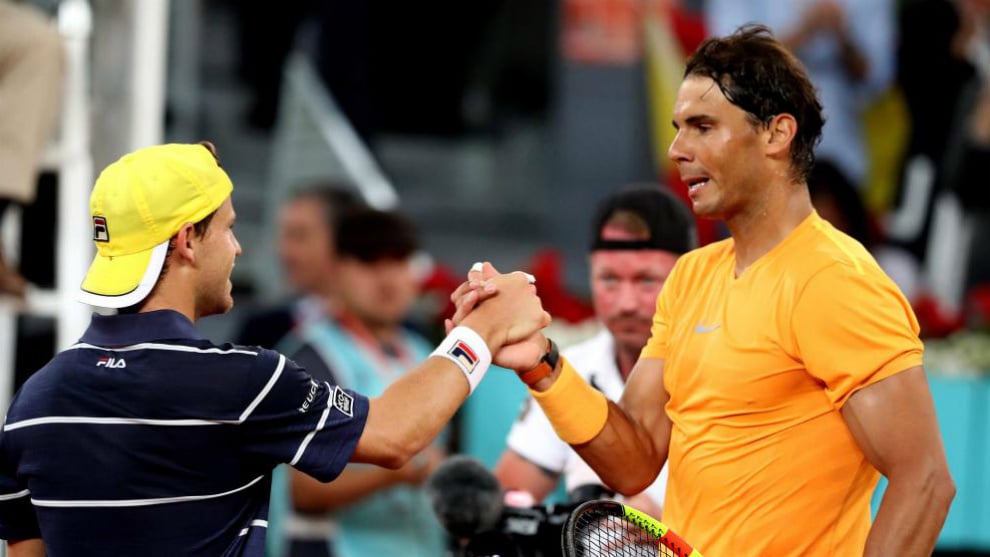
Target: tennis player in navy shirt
146, 439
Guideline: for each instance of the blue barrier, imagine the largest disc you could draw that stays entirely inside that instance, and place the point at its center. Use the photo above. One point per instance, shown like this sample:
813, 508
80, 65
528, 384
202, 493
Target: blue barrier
962, 405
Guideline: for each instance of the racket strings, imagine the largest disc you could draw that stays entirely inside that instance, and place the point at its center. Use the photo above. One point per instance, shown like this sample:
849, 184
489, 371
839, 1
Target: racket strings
602, 535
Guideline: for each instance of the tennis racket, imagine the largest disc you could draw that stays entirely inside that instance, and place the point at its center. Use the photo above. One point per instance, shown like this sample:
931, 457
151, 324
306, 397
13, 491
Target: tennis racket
605, 528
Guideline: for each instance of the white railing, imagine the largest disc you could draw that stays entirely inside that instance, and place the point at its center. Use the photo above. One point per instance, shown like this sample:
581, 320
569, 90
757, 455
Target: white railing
71, 159
308, 110
149, 23
313, 141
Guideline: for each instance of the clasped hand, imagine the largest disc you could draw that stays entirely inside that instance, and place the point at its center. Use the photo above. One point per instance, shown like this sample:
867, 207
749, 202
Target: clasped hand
507, 302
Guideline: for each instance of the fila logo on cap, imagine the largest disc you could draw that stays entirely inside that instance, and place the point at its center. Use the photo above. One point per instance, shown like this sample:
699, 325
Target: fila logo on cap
465, 355
112, 363
100, 231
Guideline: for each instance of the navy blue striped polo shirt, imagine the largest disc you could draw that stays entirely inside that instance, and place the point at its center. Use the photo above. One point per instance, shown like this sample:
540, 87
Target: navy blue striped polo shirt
146, 439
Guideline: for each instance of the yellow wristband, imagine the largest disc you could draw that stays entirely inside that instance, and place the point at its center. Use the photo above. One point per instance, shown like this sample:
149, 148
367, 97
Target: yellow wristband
576, 410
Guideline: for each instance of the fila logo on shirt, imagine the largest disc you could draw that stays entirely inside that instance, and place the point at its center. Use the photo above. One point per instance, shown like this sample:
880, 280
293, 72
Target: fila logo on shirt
463, 353
112, 363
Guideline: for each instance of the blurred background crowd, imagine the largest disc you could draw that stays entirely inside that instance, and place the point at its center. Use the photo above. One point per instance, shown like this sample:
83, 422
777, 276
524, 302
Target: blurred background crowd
378, 148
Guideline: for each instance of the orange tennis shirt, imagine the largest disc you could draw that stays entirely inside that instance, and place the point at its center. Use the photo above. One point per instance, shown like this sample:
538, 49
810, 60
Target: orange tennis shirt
757, 368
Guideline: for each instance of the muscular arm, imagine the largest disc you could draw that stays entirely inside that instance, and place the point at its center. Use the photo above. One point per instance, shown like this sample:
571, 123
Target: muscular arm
632, 448
894, 423
26, 548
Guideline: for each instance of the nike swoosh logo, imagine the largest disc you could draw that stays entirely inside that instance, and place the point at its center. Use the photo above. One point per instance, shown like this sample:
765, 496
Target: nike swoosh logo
699, 328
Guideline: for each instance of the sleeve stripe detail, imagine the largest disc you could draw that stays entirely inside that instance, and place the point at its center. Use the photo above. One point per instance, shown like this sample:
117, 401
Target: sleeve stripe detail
159, 346
319, 427
258, 523
264, 392
12, 496
111, 421
136, 502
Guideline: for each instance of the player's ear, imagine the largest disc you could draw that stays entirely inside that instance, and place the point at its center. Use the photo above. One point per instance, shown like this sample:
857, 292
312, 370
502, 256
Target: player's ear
780, 133
185, 243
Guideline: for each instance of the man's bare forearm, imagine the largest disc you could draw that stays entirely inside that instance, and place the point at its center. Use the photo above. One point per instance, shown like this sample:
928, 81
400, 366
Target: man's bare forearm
623, 455
631, 448
409, 415
351, 486
911, 515
894, 423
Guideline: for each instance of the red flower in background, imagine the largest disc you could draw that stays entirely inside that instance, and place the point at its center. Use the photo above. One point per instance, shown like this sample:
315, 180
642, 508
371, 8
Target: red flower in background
935, 320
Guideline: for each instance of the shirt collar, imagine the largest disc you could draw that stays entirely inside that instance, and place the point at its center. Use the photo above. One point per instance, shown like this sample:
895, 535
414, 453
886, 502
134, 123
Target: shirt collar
124, 330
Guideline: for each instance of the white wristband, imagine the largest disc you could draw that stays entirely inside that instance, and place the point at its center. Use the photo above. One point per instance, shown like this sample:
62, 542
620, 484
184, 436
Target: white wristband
468, 350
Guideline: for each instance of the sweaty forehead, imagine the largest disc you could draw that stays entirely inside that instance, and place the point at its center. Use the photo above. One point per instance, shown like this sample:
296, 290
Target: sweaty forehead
698, 90
704, 86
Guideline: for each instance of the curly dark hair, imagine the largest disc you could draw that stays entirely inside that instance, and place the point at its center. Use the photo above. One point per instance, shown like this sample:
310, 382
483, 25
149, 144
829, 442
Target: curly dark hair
762, 77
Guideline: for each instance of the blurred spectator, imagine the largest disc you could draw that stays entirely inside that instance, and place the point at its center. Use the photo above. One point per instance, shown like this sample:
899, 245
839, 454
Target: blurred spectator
637, 235
966, 164
847, 48
31, 66
306, 252
364, 345
933, 49
970, 181
942, 199
838, 201
934, 35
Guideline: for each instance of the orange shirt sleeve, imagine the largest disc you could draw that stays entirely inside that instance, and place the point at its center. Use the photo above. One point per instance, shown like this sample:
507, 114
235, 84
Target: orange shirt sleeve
852, 327
656, 347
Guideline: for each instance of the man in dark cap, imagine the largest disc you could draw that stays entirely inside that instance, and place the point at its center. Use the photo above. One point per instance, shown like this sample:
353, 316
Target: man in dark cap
638, 233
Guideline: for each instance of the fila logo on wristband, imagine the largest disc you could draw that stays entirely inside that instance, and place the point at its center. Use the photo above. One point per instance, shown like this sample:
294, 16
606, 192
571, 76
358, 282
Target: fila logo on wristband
468, 350
463, 353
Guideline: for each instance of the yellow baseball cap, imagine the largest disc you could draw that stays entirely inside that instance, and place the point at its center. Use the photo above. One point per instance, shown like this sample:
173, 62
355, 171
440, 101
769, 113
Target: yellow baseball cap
138, 203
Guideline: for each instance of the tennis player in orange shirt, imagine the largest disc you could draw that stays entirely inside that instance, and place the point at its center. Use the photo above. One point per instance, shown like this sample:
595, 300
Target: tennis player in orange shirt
784, 371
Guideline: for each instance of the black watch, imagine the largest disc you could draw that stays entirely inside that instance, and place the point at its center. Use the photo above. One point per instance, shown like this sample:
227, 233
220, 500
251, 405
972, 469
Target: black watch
552, 355
547, 364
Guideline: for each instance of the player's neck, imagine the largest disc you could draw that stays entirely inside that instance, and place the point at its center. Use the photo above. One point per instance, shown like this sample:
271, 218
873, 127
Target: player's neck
766, 222
175, 290
164, 299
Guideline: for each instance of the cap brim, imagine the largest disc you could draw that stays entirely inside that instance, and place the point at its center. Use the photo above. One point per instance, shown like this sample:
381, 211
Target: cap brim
122, 281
